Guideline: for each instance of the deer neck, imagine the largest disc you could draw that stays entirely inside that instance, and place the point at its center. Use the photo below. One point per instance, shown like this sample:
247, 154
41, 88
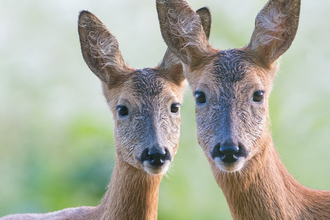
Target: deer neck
264, 189
132, 194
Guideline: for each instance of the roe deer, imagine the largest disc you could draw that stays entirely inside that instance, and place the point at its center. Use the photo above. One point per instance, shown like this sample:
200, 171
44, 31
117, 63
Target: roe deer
145, 105
231, 89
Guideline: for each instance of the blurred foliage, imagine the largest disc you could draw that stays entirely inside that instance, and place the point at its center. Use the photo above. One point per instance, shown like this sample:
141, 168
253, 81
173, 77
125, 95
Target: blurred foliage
56, 143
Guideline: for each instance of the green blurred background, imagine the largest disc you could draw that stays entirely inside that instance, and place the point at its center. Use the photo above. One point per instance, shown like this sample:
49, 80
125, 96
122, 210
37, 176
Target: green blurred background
56, 143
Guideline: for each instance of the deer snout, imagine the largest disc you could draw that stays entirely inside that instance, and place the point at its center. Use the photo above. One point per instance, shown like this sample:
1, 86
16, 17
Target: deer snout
155, 160
155, 156
228, 152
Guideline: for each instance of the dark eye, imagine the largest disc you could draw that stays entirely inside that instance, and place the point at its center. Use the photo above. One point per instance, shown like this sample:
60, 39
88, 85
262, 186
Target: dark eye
122, 110
175, 107
200, 97
258, 96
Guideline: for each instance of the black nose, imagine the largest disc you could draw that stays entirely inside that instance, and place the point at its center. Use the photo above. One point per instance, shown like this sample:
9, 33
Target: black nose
155, 156
228, 152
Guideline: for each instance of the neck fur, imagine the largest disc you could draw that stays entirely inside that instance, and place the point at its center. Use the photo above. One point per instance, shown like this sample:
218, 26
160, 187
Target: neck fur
132, 194
264, 189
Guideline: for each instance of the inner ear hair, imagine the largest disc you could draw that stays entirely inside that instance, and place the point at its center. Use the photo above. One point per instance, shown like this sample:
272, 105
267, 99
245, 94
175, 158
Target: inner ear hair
275, 29
171, 63
100, 49
181, 28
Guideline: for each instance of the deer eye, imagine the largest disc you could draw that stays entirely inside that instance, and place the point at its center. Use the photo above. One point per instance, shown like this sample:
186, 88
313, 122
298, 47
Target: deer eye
200, 97
175, 107
258, 96
122, 110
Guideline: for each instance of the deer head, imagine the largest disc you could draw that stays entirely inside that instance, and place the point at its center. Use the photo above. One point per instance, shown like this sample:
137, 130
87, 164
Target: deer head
231, 87
145, 102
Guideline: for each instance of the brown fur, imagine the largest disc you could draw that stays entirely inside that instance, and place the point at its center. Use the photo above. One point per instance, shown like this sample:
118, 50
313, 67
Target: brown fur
132, 194
257, 185
148, 93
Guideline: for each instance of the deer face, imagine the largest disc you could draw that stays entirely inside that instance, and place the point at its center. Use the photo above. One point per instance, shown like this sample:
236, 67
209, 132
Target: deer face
231, 88
147, 119
231, 107
145, 103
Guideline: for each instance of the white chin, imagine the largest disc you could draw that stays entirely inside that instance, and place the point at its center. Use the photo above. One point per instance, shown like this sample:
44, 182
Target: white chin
156, 170
229, 167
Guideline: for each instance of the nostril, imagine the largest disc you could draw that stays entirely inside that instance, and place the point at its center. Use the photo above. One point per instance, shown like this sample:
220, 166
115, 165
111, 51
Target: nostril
157, 157
229, 150
216, 152
229, 153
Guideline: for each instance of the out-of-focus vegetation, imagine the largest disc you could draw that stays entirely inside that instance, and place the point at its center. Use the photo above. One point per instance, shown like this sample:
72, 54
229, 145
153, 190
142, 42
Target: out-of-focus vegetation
56, 143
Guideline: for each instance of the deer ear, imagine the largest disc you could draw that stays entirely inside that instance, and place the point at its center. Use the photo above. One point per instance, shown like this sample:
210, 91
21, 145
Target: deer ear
173, 67
182, 30
275, 28
206, 19
171, 63
100, 49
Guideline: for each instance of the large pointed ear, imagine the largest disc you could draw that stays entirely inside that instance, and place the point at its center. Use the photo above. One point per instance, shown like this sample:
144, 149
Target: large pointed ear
173, 67
171, 64
182, 30
206, 19
100, 49
275, 28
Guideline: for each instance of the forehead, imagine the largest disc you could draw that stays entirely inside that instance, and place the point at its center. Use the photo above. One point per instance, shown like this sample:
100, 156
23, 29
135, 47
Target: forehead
231, 66
228, 68
146, 83
146, 87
